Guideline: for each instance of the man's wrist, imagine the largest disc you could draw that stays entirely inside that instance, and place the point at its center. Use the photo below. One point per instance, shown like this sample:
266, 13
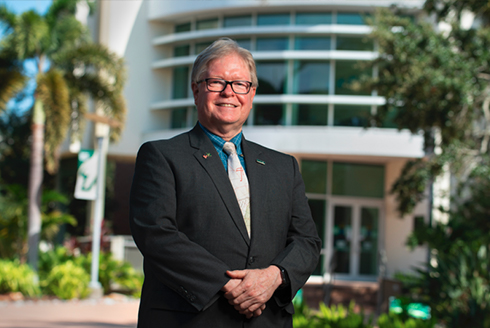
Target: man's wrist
283, 275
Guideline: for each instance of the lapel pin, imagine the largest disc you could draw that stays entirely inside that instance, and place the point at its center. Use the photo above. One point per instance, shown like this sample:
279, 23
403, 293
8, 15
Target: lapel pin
206, 155
260, 162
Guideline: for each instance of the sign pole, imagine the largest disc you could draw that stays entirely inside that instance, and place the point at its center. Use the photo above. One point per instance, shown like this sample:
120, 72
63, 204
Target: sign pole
102, 128
95, 286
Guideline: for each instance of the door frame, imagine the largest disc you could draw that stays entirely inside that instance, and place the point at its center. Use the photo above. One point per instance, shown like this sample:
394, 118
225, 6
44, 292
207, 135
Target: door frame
356, 204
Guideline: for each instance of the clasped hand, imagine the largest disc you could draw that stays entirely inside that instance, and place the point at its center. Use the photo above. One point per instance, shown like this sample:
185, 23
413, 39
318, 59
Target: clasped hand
249, 290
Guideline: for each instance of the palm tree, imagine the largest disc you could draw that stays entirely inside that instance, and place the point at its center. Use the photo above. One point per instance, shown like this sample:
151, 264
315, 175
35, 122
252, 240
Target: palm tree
70, 69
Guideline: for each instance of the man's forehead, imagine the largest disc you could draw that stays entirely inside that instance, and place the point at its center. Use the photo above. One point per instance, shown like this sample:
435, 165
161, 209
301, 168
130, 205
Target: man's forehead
226, 61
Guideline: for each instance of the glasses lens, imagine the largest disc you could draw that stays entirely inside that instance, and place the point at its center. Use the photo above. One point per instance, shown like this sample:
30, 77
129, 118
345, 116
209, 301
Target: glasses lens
240, 86
216, 85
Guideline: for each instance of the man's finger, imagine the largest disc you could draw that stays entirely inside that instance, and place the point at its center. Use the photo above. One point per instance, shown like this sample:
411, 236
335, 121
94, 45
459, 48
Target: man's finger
237, 274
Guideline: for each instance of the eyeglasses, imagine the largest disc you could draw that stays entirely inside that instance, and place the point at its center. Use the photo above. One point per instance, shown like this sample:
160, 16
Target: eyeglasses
218, 85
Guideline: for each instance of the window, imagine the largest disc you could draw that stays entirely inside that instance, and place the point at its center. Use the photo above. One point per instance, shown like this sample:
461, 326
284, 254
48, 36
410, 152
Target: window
201, 46
342, 228
207, 24
245, 43
346, 72
358, 180
310, 114
315, 176
369, 240
180, 51
312, 43
273, 19
185, 27
272, 44
354, 43
352, 115
179, 118
272, 77
313, 18
180, 82
311, 77
268, 114
235, 21
351, 18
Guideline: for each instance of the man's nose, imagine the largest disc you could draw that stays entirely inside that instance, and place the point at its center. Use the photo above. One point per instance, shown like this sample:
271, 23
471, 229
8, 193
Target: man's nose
228, 91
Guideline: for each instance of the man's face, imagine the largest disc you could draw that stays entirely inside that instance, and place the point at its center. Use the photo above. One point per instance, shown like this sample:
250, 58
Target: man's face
226, 110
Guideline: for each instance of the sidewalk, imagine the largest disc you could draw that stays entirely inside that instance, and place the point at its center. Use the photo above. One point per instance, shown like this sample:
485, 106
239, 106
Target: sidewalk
103, 313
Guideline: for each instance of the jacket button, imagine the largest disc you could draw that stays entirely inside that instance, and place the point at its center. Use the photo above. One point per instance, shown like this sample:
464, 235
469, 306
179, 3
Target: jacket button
251, 260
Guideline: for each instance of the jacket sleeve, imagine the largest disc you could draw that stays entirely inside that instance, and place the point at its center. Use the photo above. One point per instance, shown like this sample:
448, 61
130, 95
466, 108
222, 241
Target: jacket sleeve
178, 263
301, 254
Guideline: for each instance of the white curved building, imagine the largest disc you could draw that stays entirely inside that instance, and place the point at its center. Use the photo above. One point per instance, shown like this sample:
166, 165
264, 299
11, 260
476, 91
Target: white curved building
306, 53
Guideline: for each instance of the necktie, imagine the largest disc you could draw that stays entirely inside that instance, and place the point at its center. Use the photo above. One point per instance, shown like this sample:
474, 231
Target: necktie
239, 182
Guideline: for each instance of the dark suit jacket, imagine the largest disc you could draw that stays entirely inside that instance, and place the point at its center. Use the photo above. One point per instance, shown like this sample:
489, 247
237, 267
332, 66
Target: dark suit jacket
187, 223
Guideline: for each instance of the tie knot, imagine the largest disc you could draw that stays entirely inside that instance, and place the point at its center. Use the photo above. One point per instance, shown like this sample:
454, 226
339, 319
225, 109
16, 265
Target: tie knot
229, 148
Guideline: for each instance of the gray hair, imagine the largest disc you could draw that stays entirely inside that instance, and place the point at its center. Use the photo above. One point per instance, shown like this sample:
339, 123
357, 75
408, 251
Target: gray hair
218, 49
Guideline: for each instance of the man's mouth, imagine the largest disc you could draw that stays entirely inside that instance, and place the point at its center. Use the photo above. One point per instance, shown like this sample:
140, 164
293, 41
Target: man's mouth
227, 105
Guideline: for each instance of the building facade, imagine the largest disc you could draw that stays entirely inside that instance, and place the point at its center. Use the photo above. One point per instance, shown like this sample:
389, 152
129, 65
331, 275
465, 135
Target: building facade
307, 54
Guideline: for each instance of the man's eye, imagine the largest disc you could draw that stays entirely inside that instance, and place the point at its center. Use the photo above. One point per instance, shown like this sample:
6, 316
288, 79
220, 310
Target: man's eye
216, 83
240, 84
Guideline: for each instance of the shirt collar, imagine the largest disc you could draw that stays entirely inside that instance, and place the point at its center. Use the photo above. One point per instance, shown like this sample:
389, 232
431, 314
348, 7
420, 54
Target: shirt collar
219, 142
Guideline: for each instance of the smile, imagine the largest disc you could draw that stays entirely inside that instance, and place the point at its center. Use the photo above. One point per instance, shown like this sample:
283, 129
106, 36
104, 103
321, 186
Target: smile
227, 105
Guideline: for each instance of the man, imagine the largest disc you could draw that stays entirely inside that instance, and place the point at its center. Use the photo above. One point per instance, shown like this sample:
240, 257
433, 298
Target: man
220, 249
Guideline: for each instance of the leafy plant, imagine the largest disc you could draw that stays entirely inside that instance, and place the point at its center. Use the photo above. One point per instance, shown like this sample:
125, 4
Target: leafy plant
17, 277
392, 320
13, 219
456, 285
114, 275
329, 317
67, 281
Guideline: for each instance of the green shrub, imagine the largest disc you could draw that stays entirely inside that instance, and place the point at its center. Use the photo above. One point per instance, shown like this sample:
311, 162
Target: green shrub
14, 217
392, 320
341, 317
114, 275
16, 277
329, 317
67, 281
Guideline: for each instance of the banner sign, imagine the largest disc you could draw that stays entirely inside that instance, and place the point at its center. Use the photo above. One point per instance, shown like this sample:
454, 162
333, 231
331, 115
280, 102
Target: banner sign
86, 186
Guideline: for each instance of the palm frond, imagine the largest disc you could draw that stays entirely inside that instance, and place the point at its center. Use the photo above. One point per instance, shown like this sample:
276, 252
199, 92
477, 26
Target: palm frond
53, 91
67, 33
92, 69
12, 81
28, 35
7, 18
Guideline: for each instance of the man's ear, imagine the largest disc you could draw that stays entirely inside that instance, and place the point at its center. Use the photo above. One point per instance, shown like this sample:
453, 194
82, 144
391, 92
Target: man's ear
195, 91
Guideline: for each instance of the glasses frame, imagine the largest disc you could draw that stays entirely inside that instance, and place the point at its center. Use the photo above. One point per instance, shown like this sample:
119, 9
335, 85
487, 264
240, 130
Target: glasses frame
226, 84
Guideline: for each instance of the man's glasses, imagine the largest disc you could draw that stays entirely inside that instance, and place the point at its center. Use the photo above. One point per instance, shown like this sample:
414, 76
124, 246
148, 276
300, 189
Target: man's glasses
218, 85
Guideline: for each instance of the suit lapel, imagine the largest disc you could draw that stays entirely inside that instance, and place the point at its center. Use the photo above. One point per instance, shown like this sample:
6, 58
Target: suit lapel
256, 173
207, 156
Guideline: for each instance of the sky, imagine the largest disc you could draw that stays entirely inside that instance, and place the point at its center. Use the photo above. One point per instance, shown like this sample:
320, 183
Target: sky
19, 6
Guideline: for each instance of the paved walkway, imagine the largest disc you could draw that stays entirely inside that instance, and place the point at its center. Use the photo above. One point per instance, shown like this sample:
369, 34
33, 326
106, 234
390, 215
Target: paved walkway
103, 313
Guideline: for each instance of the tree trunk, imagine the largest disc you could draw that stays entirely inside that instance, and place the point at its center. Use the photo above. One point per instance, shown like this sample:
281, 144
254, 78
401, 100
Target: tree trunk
35, 184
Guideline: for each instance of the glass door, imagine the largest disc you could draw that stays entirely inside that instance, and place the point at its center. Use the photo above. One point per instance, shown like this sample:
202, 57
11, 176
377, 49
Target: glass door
355, 240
